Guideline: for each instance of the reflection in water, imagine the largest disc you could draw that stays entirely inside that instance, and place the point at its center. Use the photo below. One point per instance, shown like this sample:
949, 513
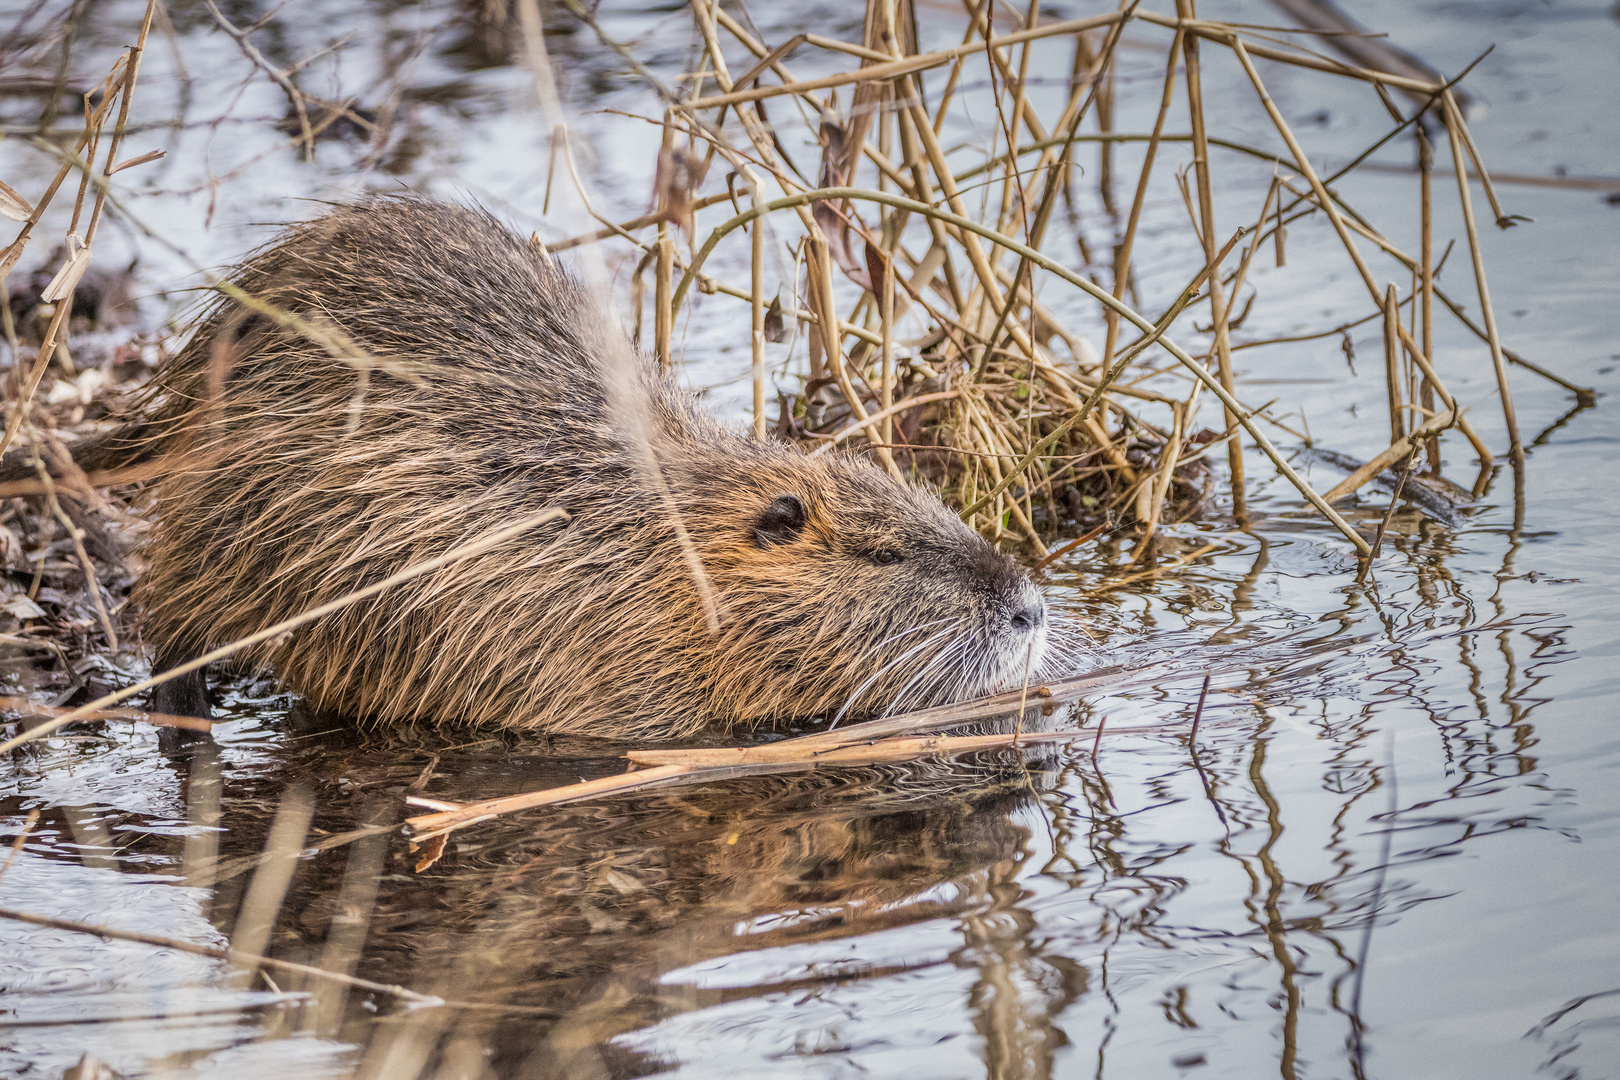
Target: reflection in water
575, 927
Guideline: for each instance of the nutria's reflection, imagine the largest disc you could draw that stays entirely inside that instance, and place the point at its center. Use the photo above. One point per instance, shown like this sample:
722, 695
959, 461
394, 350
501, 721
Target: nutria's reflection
575, 926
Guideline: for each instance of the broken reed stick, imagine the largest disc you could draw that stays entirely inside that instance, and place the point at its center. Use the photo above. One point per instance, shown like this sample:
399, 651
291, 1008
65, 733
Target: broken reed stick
886, 397
1257, 234
664, 268
1217, 297
1455, 116
1222, 33
121, 125
756, 302
885, 415
1388, 457
859, 744
1426, 274
1302, 162
1079, 541
24, 709
456, 554
1122, 256
1392, 365
831, 342
1394, 501
1607, 185
877, 752
1157, 488
1198, 714
1487, 312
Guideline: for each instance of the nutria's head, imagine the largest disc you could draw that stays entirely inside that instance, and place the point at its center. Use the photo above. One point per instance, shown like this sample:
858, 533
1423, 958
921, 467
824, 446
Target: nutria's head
845, 592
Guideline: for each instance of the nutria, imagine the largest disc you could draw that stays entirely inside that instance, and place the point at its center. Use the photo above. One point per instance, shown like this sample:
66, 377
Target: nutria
291, 476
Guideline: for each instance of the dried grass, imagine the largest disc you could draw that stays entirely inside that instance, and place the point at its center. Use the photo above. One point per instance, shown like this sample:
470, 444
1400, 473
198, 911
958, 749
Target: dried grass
994, 400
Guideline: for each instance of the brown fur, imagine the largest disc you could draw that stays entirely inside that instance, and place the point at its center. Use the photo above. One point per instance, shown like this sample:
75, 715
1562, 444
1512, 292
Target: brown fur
293, 482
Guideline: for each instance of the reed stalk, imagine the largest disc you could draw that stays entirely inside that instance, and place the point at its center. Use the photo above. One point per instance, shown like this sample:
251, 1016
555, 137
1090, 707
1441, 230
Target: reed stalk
1010, 408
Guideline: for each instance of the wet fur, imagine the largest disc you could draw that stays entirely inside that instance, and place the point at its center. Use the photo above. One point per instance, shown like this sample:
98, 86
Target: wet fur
291, 483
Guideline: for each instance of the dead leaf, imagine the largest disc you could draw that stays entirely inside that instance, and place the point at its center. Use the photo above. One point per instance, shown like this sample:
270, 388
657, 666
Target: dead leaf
18, 606
877, 264
775, 327
13, 205
834, 224
679, 174
67, 278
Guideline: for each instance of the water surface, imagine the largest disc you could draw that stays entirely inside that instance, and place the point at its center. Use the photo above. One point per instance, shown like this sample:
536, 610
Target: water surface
1392, 851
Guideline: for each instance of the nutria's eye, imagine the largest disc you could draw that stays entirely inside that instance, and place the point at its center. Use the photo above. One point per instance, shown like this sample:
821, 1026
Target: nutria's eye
886, 557
780, 522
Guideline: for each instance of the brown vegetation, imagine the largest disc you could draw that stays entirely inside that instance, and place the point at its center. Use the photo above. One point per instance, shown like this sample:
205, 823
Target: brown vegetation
1032, 433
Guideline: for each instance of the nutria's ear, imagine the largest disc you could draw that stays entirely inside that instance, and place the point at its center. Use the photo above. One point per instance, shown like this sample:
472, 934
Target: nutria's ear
780, 522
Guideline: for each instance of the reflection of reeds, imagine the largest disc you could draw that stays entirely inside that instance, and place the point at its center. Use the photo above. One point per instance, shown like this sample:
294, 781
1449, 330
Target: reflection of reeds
985, 402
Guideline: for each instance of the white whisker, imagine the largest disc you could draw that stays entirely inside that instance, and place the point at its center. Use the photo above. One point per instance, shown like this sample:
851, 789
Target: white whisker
900, 703
855, 695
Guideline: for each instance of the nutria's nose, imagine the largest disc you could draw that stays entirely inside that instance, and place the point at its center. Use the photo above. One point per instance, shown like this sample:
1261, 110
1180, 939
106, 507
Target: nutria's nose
1030, 617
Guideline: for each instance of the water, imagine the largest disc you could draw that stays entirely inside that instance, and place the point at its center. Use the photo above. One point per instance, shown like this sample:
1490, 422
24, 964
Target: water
1393, 850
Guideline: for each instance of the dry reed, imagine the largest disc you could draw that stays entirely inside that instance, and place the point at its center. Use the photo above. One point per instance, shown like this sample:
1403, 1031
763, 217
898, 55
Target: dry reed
994, 400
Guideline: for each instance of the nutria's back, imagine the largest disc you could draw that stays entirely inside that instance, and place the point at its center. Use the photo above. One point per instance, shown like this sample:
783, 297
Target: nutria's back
297, 476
